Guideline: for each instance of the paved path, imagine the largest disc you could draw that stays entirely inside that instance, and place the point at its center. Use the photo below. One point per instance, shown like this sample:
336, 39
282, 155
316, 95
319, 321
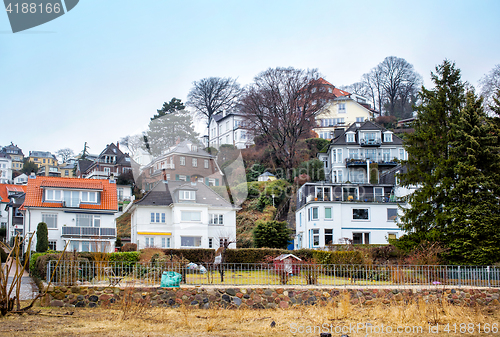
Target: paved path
28, 290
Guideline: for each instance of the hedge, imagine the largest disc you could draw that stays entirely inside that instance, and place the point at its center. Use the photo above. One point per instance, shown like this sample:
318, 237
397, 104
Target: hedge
338, 257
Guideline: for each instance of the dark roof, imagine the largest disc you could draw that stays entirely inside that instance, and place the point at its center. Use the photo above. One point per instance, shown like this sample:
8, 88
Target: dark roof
364, 126
165, 193
5, 155
13, 148
84, 164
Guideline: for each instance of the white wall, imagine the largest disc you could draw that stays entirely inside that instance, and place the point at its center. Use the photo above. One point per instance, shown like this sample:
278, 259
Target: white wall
343, 224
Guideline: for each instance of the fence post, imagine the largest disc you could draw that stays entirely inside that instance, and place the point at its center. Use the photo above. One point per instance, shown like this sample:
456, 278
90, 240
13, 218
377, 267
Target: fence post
488, 271
47, 278
459, 277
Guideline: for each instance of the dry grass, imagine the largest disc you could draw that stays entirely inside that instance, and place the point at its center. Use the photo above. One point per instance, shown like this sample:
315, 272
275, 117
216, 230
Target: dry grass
143, 321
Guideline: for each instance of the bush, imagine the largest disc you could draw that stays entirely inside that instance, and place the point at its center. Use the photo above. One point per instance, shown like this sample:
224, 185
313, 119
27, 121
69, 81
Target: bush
271, 234
42, 237
129, 247
125, 256
278, 188
338, 257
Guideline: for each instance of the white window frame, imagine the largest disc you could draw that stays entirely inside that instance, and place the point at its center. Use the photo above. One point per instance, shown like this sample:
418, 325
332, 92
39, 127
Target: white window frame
312, 213
331, 213
216, 219
196, 239
182, 160
206, 163
52, 216
395, 218
194, 162
187, 195
388, 137
190, 216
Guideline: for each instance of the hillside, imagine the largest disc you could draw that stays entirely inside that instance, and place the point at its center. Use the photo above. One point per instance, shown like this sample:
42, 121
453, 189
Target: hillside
123, 226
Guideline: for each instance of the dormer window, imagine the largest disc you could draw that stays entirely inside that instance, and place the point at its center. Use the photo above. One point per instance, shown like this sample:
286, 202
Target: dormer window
350, 137
388, 137
187, 195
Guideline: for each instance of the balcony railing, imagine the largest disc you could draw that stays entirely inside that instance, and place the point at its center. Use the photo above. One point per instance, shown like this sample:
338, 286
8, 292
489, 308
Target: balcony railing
361, 161
370, 142
88, 231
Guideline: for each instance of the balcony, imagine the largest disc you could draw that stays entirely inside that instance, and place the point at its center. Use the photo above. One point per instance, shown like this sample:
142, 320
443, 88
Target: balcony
370, 142
349, 162
88, 232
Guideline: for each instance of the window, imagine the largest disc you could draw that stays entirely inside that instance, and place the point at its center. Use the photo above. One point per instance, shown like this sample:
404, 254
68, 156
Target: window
349, 193
165, 242
195, 162
402, 154
216, 219
158, 217
360, 119
52, 244
85, 246
190, 241
315, 237
190, 216
353, 154
90, 196
340, 158
107, 171
387, 155
187, 195
388, 137
360, 214
357, 238
182, 177
328, 213
371, 154
350, 138
341, 107
313, 90
323, 193
392, 236
328, 236
206, 163
337, 176
223, 242
183, 160
88, 220
330, 90
50, 219
392, 214
54, 195
74, 246
150, 242
314, 213
66, 172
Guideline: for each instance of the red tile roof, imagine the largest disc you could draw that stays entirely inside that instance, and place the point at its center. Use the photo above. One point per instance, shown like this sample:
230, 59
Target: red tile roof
35, 187
5, 188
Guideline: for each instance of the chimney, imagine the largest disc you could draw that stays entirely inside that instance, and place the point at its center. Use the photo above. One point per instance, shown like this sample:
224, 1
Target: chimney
177, 140
118, 145
164, 172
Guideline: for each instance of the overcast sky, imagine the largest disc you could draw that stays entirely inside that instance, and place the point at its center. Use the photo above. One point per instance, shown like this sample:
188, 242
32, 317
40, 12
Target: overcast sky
99, 72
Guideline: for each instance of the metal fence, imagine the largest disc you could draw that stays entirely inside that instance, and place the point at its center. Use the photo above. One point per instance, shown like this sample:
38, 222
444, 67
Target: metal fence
243, 274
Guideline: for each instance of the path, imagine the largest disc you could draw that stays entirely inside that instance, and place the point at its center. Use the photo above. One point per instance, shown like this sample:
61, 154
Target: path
28, 290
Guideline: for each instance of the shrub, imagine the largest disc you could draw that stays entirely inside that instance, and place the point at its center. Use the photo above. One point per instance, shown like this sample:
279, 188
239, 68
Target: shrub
271, 234
129, 247
3, 255
42, 237
125, 256
338, 257
118, 242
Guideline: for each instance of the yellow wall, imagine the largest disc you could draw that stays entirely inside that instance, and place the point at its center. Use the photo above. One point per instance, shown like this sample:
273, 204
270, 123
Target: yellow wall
39, 163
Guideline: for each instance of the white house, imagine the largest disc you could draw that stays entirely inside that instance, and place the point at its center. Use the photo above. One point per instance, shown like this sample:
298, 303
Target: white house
21, 179
5, 168
360, 199
10, 217
229, 128
77, 210
178, 214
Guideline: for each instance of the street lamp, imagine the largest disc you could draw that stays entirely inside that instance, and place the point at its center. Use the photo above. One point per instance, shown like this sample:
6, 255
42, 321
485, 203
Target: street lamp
272, 195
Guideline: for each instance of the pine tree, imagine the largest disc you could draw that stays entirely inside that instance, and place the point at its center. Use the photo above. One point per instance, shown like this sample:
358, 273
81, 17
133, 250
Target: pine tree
454, 159
171, 123
474, 208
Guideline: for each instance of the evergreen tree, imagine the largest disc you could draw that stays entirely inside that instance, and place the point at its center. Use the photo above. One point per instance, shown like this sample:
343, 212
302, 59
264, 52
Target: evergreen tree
271, 234
42, 237
171, 123
453, 159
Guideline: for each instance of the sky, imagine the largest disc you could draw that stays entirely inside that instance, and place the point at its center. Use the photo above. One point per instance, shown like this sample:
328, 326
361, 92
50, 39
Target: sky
100, 72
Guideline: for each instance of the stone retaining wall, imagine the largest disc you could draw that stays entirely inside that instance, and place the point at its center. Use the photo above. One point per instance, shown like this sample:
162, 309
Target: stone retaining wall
256, 298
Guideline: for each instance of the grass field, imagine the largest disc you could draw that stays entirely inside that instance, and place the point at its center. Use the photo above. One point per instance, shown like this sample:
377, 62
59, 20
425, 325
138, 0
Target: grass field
139, 320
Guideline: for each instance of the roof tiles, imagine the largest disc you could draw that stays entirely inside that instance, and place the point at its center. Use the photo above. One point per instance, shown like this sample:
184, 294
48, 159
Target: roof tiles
35, 188
6, 188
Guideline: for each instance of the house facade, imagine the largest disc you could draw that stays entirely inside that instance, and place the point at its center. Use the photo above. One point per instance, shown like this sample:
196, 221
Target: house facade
341, 112
21, 179
5, 169
182, 162
78, 211
229, 128
177, 214
11, 198
360, 201
110, 162
16, 155
46, 163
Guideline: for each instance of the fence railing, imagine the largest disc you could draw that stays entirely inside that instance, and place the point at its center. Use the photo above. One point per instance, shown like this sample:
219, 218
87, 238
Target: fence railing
241, 274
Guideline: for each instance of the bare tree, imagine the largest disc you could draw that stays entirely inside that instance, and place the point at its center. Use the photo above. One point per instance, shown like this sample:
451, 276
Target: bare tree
133, 143
281, 105
65, 154
490, 84
397, 75
212, 95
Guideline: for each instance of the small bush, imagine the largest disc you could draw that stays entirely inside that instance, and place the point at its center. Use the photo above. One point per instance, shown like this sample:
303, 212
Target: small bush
129, 247
42, 237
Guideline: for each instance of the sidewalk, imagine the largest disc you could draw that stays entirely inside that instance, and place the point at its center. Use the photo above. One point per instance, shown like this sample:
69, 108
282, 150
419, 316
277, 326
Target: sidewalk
28, 290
